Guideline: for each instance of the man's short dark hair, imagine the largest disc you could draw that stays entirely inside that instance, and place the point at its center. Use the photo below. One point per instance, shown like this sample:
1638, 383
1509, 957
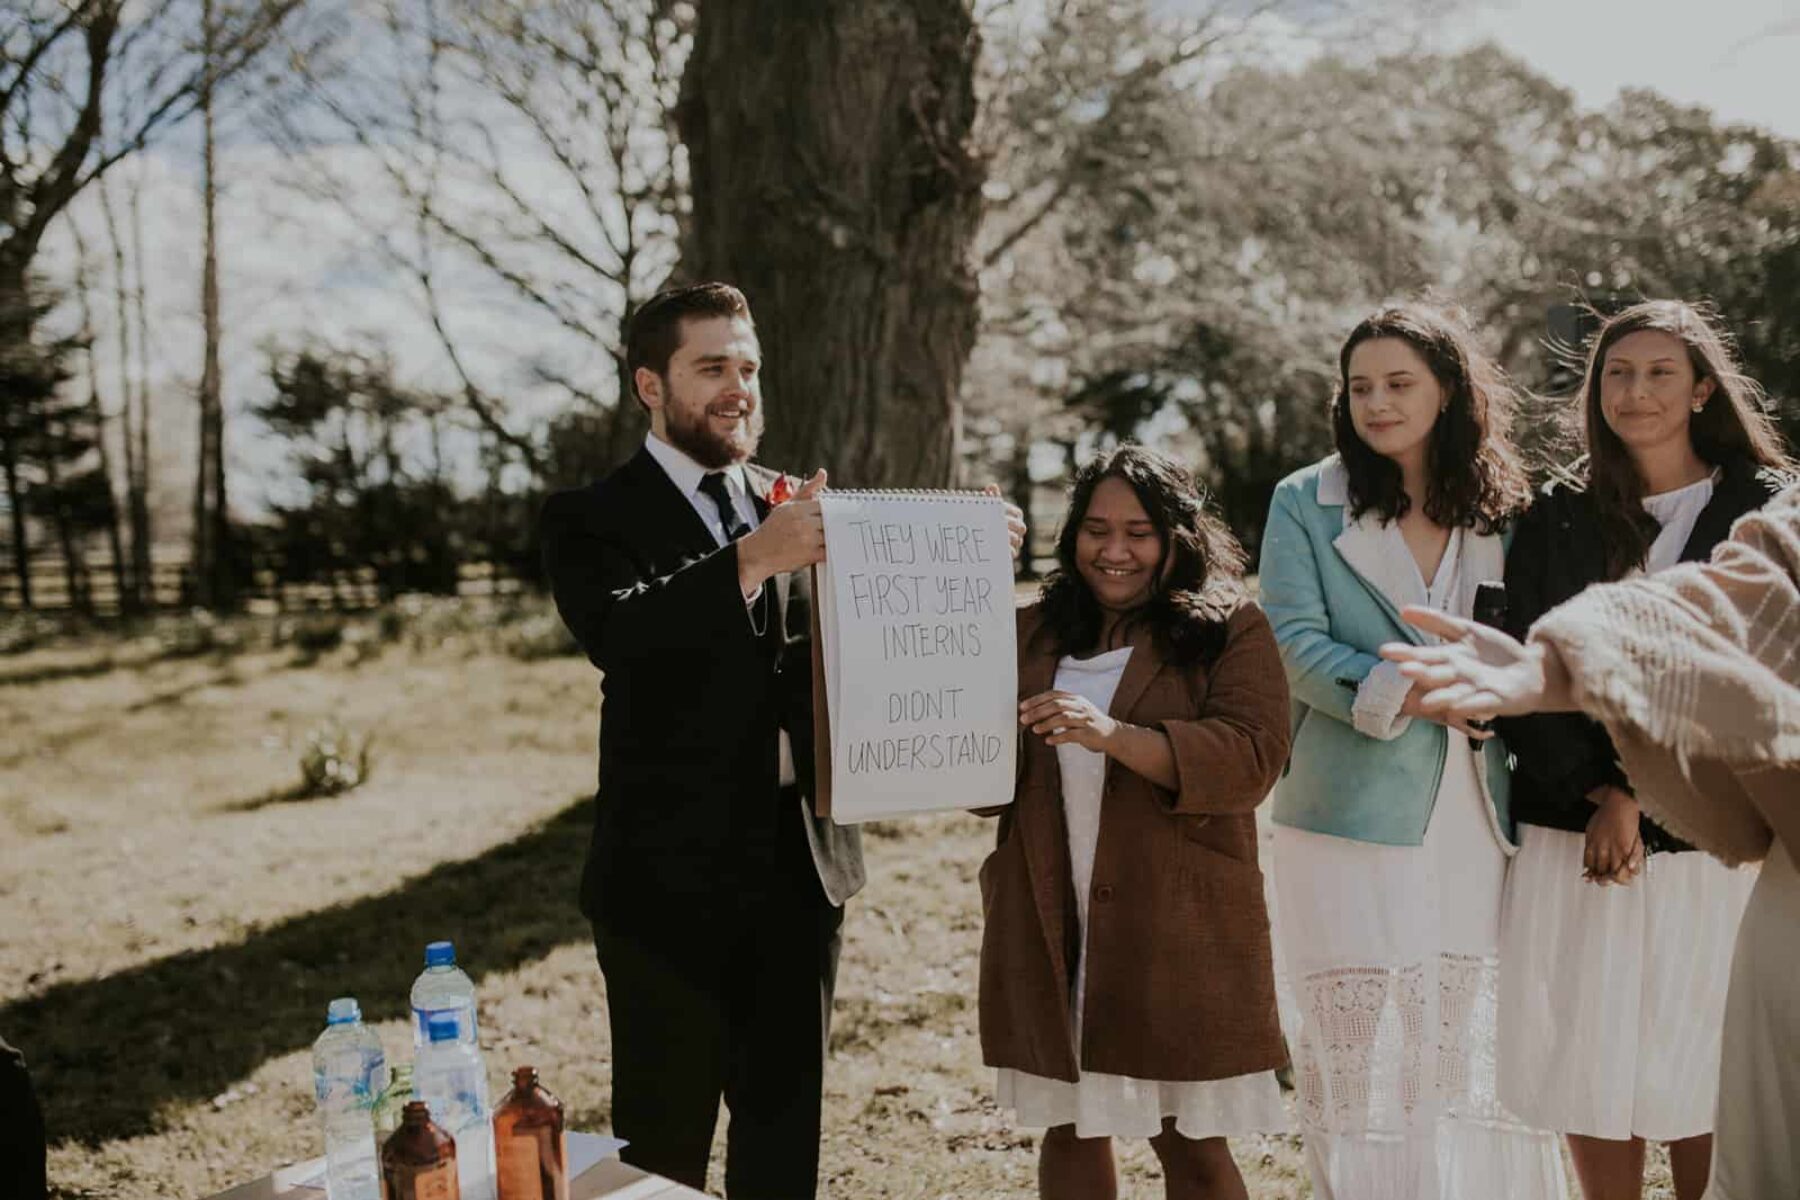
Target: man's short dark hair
653, 333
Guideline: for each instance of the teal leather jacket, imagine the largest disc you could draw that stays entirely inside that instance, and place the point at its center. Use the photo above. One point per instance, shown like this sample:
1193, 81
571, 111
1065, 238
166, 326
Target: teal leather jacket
1330, 586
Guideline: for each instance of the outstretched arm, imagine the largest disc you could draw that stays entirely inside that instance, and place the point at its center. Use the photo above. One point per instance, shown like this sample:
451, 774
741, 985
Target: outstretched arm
1480, 673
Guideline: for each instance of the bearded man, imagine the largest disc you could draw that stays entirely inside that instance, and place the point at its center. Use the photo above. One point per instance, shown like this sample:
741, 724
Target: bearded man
716, 897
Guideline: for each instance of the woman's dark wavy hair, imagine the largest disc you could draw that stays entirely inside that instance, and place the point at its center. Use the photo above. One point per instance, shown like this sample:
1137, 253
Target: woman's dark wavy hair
1189, 606
1475, 477
1731, 427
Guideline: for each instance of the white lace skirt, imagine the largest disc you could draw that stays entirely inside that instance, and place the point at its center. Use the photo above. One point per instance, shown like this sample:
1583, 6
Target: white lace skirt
1612, 999
1392, 955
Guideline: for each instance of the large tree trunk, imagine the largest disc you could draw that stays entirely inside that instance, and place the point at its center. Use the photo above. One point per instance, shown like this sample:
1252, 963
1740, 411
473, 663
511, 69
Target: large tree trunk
833, 181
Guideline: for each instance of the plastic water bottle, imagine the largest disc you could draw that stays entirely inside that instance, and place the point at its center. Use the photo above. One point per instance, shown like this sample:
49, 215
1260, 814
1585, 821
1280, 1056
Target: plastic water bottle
443, 988
450, 1076
349, 1071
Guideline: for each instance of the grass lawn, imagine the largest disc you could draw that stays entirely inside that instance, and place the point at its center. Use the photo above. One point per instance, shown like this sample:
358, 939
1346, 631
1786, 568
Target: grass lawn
176, 922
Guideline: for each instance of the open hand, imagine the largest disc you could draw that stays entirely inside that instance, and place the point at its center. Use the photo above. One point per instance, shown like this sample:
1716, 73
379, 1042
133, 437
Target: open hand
1066, 717
1478, 672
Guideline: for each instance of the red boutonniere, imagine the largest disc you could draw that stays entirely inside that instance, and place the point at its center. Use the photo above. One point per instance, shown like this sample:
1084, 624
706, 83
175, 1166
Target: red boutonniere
781, 491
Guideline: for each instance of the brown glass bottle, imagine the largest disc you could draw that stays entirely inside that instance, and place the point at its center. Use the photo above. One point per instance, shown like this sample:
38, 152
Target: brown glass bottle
531, 1161
419, 1160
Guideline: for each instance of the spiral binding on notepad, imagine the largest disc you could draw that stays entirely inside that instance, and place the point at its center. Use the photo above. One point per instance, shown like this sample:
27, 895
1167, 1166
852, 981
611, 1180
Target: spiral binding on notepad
909, 493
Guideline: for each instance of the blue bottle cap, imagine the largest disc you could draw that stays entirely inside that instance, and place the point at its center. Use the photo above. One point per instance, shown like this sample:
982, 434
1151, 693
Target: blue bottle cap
440, 954
442, 1027
343, 1011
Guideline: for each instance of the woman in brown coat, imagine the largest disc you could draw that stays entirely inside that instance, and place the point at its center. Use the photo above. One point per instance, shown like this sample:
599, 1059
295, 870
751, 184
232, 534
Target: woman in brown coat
1127, 986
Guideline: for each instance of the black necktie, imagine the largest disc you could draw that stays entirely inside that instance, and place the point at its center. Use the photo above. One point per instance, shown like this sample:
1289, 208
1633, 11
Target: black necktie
713, 484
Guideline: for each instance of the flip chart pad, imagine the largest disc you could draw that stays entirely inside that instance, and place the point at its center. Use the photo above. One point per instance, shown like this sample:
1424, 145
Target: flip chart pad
918, 650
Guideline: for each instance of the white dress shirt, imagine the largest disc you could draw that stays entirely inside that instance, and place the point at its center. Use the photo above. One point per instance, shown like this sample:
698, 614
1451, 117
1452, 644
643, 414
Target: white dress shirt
686, 474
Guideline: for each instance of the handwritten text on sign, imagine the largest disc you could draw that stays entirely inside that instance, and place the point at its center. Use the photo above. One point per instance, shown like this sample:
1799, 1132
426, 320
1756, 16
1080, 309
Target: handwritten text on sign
925, 650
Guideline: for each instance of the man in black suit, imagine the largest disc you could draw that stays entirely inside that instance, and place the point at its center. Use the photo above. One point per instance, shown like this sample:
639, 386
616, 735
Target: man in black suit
716, 896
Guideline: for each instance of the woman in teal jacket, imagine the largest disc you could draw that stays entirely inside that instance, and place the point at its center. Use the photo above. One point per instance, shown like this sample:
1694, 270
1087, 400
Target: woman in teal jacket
1392, 832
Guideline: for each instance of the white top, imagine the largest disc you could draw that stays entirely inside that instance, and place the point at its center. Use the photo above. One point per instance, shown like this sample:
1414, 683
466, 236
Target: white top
1676, 512
686, 475
1083, 780
1376, 711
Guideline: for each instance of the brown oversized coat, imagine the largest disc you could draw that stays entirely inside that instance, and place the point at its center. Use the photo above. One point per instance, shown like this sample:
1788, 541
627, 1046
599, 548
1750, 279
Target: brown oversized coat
1180, 975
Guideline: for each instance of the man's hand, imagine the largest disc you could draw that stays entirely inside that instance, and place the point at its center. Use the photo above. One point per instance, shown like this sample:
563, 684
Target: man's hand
1614, 852
791, 538
1066, 717
1015, 520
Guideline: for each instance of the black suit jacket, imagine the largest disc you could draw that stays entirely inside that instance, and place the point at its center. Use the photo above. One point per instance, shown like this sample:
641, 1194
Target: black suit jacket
1557, 552
692, 701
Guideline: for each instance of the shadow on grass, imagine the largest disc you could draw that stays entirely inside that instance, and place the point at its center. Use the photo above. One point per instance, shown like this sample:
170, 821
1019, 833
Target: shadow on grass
106, 1054
225, 677
109, 661
60, 671
62, 739
292, 793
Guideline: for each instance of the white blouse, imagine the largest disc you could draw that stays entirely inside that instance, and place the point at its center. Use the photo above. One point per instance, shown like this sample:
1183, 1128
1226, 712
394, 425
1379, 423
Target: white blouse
1676, 512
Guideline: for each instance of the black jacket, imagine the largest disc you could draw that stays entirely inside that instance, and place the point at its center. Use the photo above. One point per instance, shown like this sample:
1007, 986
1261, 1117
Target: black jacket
688, 821
1556, 553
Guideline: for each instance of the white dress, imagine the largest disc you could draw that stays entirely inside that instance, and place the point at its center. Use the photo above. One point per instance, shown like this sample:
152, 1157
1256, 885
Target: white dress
1612, 998
1101, 1105
1391, 952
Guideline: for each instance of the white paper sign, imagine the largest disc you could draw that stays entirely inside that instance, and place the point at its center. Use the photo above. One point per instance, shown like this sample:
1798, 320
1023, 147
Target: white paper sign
918, 628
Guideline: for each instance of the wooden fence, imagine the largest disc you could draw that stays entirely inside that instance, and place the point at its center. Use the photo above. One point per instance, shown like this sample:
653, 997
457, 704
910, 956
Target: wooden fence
351, 590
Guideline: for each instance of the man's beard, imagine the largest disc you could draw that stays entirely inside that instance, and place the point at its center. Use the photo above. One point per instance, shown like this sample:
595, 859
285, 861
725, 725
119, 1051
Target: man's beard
691, 432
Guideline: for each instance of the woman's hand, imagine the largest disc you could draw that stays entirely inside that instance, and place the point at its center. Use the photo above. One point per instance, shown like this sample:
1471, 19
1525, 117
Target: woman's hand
1066, 717
1479, 673
1614, 852
1414, 706
1015, 520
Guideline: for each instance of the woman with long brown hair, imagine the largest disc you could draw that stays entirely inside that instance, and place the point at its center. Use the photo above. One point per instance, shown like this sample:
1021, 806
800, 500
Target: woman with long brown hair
1391, 830
1612, 997
1127, 980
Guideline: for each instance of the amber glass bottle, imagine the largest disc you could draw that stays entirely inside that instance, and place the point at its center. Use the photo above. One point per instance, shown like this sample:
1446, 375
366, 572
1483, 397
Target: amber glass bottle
530, 1158
419, 1160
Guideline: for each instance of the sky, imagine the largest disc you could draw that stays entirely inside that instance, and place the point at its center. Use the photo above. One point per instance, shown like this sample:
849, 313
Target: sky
1735, 57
